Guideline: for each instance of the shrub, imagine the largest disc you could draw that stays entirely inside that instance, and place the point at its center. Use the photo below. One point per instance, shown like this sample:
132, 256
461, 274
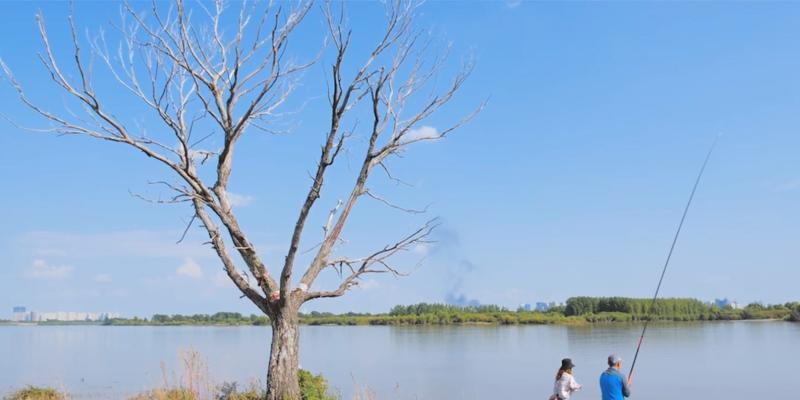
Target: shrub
313, 387
230, 391
166, 394
794, 315
36, 393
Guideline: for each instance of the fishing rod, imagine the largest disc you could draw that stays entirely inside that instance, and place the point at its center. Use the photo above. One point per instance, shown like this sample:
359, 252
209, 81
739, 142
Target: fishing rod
669, 256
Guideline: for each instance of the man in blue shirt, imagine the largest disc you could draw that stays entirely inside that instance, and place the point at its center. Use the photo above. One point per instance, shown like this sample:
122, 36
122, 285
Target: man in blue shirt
613, 384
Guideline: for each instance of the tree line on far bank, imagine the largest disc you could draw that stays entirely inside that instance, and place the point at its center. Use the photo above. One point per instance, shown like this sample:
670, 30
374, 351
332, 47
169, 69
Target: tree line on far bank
577, 310
674, 309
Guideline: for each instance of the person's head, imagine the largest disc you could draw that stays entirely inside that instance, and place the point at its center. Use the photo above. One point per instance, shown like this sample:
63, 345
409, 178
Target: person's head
614, 361
566, 366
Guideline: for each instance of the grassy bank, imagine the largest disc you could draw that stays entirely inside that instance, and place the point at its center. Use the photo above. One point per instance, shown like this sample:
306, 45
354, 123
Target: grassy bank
576, 311
194, 384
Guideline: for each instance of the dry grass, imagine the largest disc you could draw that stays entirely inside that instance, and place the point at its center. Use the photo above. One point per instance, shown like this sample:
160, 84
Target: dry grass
364, 393
37, 393
166, 394
193, 382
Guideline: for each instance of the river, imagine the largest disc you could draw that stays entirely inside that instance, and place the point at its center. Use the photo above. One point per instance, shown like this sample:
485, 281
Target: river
720, 360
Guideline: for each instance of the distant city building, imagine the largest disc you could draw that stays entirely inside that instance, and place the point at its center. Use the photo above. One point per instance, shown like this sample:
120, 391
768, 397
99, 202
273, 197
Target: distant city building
22, 315
525, 307
542, 306
19, 314
725, 303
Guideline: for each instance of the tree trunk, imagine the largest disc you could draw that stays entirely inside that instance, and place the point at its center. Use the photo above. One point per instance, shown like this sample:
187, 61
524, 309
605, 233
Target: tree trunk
282, 378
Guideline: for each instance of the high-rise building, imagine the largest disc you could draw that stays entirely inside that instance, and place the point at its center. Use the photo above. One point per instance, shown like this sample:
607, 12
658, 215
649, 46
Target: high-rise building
19, 314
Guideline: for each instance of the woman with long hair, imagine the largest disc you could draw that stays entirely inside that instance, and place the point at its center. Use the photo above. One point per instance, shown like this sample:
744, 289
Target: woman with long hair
565, 383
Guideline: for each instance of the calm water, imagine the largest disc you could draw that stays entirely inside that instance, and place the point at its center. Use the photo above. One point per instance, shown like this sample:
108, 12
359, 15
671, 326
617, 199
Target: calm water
732, 361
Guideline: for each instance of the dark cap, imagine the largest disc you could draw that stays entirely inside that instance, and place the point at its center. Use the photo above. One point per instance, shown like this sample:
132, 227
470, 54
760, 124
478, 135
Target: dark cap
567, 364
614, 360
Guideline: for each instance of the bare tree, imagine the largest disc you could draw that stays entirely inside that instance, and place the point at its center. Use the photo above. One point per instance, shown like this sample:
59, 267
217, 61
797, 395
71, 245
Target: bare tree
191, 70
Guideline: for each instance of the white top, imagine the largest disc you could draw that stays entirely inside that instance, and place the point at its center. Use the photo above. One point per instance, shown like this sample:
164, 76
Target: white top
565, 386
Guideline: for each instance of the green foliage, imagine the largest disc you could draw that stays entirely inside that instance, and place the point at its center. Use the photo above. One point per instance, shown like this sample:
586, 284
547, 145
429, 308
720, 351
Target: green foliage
580, 305
620, 309
637, 309
36, 393
557, 310
230, 391
313, 387
755, 307
220, 318
425, 308
794, 314
441, 314
607, 316
576, 311
166, 394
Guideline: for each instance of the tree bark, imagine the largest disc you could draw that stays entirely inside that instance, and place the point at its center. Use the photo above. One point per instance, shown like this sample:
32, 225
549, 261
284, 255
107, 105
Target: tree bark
282, 376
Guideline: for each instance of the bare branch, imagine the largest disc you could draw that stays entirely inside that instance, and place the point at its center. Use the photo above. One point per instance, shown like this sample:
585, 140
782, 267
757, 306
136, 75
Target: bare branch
376, 262
392, 205
219, 246
192, 69
188, 226
180, 66
331, 214
392, 177
376, 83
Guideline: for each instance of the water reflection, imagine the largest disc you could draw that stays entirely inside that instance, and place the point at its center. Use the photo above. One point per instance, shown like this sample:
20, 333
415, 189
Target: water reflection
712, 360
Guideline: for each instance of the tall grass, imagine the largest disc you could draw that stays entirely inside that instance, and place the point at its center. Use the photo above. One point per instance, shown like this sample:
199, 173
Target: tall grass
37, 393
193, 382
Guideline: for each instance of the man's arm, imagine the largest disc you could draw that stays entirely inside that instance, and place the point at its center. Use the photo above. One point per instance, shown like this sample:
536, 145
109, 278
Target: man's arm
626, 390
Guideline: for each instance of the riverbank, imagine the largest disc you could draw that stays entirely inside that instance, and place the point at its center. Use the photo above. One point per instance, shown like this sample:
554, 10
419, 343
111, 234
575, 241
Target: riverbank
576, 311
312, 387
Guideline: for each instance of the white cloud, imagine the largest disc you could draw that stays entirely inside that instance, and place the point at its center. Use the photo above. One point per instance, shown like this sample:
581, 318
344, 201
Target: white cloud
421, 133
40, 269
368, 284
239, 200
421, 249
190, 269
102, 278
513, 3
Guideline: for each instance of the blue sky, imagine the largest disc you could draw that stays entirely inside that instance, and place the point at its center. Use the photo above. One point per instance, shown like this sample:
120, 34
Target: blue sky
570, 182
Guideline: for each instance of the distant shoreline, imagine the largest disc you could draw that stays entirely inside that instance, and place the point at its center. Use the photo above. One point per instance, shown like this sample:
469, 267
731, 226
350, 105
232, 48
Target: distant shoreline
577, 311
461, 324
